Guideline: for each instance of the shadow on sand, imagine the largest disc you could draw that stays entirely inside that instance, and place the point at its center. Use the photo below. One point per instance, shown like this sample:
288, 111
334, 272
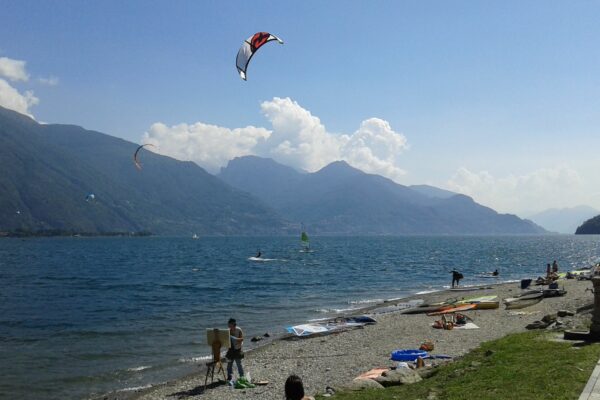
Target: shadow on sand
198, 390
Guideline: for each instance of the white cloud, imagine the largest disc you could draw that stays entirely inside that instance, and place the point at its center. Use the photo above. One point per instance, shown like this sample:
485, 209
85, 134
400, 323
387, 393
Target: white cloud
13, 70
12, 99
556, 187
210, 146
296, 138
50, 81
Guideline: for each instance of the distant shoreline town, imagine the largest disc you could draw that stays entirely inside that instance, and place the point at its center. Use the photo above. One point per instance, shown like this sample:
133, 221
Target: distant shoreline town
68, 233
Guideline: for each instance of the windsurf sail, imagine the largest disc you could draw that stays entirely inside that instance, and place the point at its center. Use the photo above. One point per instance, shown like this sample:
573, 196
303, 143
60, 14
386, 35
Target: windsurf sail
304, 240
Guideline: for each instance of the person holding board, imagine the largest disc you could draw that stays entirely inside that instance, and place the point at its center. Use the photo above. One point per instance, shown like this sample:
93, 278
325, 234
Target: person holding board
456, 277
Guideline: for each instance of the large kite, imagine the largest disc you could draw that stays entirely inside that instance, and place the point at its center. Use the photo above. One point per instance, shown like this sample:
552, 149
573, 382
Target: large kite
135, 155
251, 46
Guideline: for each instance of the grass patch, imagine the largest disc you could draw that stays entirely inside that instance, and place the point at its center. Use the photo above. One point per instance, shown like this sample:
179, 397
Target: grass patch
519, 366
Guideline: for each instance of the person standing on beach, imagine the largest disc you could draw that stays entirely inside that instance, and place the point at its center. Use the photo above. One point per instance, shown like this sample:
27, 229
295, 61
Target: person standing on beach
555, 267
456, 277
235, 353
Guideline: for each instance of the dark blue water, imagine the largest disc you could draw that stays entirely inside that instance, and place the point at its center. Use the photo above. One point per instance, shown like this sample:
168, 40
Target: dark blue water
82, 316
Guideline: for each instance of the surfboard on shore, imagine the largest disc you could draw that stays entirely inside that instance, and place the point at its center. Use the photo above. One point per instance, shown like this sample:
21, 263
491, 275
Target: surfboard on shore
469, 288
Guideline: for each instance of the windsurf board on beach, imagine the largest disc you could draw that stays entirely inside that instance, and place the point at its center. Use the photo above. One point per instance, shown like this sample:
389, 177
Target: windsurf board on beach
330, 326
447, 310
469, 288
477, 299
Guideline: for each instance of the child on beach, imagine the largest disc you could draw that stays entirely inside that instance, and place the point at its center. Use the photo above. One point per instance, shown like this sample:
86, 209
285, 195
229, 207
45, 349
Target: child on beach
235, 353
294, 389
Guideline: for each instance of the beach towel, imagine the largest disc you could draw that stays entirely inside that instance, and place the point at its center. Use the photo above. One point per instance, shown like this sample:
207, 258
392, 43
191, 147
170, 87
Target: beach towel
468, 325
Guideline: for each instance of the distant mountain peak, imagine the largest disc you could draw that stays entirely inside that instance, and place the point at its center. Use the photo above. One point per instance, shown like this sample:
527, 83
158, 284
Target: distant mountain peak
433, 192
253, 161
340, 169
341, 199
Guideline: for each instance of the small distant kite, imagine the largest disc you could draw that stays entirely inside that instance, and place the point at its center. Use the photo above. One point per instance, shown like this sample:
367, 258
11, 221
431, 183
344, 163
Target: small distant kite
135, 155
90, 197
249, 47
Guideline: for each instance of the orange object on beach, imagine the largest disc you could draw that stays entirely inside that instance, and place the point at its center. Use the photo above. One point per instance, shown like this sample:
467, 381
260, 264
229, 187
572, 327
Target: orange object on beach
465, 307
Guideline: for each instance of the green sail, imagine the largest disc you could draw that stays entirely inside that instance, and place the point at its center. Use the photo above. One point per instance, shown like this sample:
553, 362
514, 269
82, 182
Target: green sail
304, 239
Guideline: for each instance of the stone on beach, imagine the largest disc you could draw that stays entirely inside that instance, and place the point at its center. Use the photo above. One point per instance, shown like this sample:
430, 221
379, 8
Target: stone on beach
362, 384
565, 313
400, 376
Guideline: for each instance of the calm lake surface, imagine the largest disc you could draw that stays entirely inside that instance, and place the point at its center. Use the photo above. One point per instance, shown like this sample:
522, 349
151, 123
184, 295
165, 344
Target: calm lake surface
83, 316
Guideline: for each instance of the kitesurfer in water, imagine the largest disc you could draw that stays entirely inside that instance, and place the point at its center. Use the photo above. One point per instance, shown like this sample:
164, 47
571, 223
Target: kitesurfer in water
495, 273
258, 254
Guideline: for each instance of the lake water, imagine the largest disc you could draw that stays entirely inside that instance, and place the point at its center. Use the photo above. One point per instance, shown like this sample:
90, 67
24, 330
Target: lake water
82, 316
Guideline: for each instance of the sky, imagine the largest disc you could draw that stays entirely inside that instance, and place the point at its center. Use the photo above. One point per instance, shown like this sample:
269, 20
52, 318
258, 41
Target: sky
496, 100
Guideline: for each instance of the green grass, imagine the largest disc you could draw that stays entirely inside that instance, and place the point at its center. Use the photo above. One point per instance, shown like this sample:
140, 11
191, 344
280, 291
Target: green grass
522, 366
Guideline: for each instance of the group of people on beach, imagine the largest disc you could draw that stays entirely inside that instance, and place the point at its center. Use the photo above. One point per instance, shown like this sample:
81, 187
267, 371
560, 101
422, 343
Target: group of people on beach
294, 388
551, 272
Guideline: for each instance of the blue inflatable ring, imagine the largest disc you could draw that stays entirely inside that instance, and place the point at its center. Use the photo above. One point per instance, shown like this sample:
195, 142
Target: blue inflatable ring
408, 355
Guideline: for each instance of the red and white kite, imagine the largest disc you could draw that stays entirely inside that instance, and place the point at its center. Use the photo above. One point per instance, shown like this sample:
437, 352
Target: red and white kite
251, 46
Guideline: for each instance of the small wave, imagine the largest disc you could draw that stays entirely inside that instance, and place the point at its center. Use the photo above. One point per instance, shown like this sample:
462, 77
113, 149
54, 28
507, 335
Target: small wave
366, 301
336, 310
140, 368
195, 359
135, 388
427, 291
318, 319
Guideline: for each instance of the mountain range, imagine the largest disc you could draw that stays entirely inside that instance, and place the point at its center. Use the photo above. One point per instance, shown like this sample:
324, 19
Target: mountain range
340, 199
564, 220
589, 227
49, 173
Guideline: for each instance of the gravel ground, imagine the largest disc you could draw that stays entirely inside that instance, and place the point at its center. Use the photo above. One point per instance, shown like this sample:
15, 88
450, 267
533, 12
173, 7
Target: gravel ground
336, 359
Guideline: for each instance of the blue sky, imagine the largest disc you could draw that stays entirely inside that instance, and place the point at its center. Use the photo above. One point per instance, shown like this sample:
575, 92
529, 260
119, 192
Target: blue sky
499, 100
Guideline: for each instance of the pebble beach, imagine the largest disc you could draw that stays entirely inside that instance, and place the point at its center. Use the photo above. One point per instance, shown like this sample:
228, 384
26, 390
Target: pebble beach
336, 359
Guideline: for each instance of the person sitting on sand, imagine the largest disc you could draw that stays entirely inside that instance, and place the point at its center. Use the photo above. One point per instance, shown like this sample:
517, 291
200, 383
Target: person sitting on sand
495, 273
456, 277
235, 353
294, 389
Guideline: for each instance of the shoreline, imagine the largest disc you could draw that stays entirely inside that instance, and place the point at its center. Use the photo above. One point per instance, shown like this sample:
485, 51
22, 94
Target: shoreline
327, 351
